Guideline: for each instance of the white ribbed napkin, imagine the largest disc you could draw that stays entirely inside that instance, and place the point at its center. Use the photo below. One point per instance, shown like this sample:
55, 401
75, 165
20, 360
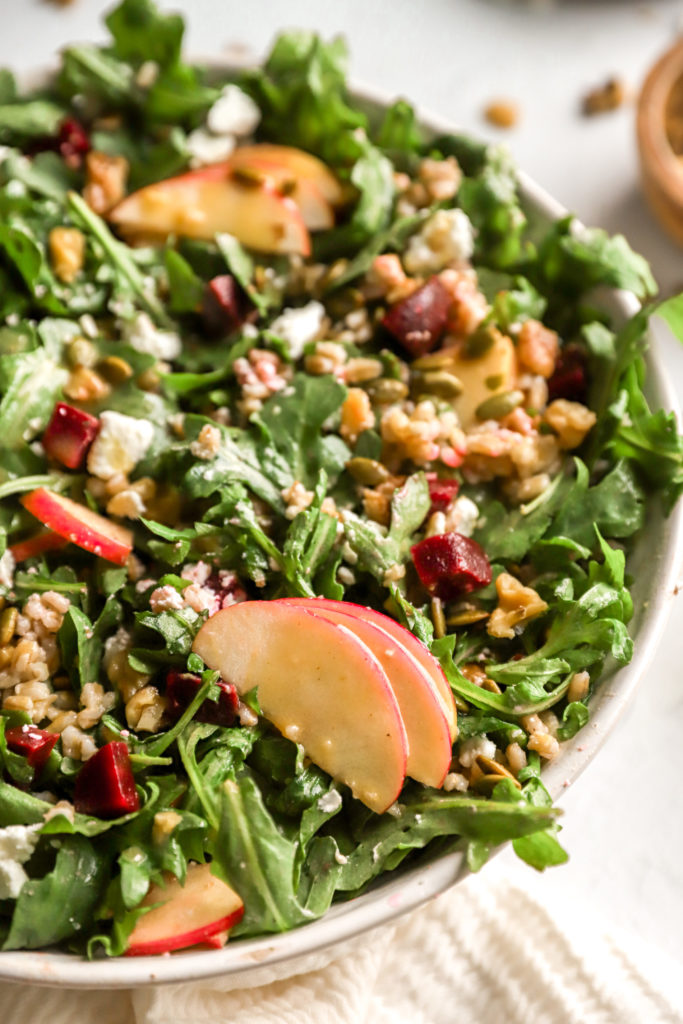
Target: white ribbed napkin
492, 949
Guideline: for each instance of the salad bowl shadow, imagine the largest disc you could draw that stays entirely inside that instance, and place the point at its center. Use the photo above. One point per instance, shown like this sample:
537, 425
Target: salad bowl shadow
655, 565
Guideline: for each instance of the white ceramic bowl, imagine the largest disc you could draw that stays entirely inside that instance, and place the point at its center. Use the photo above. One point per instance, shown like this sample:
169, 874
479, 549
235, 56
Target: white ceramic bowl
655, 565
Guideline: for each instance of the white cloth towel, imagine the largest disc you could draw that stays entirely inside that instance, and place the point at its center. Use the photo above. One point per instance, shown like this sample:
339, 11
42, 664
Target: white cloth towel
492, 949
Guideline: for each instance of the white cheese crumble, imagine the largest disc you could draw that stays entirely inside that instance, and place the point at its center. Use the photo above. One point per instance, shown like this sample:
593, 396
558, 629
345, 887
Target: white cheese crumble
165, 599
7, 565
446, 237
17, 843
233, 113
205, 148
144, 336
472, 748
120, 444
330, 802
463, 516
297, 326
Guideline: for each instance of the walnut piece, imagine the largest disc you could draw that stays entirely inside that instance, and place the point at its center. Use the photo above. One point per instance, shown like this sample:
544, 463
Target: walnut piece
516, 604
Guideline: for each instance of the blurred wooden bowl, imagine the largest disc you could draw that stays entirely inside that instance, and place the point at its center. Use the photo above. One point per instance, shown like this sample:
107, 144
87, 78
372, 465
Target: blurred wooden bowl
660, 140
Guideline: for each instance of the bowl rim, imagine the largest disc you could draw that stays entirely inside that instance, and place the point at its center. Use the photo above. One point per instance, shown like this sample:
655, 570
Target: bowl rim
261, 959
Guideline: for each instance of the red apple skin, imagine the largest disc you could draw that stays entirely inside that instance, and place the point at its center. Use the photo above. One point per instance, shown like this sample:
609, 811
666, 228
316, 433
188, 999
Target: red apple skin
204, 901
414, 646
427, 728
80, 525
37, 545
69, 434
105, 785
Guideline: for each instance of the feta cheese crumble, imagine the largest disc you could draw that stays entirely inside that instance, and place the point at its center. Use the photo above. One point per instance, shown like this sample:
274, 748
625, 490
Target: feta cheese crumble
144, 336
17, 843
446, 237
7, 565
205, 148
233, 113
463, 516
297, 326
120, 444
330, 802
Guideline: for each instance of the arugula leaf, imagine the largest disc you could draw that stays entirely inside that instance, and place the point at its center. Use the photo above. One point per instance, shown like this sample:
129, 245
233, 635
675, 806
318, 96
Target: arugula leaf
82, 643
186, 289
576, 261
253, 856
292, 427
60, 904
241, 266
140, 32
399, 132
378, 551
29, 119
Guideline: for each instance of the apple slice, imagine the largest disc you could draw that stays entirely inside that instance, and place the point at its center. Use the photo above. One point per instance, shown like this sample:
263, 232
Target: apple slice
80, 525
37, 545
303, 177
320, 686
290, 164
203, 203
429, 741
431, 670
199, 911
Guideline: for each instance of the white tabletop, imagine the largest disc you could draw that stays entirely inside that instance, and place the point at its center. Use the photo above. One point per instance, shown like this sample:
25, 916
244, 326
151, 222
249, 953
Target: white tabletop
623, 822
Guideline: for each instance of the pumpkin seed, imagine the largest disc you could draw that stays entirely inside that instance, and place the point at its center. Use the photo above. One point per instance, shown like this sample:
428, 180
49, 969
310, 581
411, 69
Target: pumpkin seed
367, 471
497, 406
387, 390
460, 703
485, 784
8, 624
440, 383
494, 381
434, 360
438, 618
465, 616
480, 341
115, 369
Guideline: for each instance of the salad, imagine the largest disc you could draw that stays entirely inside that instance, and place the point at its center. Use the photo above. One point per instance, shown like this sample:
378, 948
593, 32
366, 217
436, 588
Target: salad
319, 466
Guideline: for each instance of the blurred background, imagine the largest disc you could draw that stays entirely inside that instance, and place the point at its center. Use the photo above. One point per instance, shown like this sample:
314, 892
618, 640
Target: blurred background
537, 61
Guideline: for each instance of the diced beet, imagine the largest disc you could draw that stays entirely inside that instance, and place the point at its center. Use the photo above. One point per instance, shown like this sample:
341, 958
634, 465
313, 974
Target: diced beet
569, 379
105, 785
69, 434
418, 321
73, 141
224, 306
450, 565
181, 689
32, 743
442, 492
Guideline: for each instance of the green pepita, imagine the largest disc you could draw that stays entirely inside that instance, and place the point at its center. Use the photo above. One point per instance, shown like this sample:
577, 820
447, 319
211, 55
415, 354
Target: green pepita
438, 382
497, 406
367, 471
387, 390
480, 341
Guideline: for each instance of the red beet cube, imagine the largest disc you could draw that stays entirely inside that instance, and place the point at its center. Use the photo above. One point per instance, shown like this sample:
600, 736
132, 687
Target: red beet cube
224, 306
73, 141
105, 785
442, 492
69, 434
569, 379
450, 565
419, 321
32, 743
181, 689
